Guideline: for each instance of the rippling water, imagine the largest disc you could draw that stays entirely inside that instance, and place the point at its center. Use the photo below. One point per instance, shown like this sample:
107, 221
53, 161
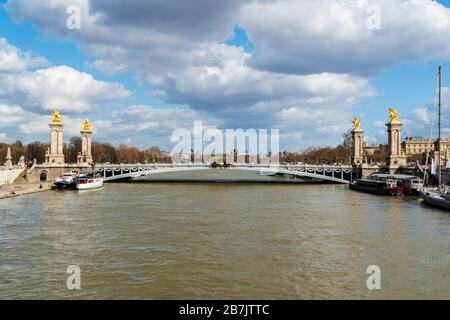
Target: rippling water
240, 241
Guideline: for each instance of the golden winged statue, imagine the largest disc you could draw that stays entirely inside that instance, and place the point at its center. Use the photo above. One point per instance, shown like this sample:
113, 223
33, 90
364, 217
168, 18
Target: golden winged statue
356, 124
86, 125
56, 116
393, 115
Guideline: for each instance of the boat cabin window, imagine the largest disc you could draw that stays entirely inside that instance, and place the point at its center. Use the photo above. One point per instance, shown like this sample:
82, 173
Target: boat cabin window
377, 178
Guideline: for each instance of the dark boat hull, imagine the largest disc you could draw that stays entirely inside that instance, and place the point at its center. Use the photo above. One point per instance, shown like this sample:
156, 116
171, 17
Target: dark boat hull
435, 201
65, 185
380, 190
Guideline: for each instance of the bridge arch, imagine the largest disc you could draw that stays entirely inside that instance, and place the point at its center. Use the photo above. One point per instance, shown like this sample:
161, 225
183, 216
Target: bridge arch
43, 176
336, 174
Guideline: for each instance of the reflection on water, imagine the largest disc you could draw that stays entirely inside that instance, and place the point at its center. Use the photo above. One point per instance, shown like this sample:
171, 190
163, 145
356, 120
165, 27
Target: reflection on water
195, 240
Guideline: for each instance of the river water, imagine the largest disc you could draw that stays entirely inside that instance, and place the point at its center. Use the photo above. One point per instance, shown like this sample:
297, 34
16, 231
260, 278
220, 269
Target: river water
222, 241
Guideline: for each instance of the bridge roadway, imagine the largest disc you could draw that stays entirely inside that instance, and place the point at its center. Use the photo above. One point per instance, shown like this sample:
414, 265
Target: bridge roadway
337, 174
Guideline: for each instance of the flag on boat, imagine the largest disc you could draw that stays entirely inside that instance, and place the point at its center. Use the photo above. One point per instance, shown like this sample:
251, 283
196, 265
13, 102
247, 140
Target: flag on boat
433, 166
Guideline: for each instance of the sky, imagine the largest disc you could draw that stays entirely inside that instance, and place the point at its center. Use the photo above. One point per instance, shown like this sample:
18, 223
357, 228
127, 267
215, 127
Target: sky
143, 70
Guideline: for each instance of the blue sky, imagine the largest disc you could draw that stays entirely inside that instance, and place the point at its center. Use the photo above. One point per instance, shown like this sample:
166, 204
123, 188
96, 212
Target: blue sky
189, 71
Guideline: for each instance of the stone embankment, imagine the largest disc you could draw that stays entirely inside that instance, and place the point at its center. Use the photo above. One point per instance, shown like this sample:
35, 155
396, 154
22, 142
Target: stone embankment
14, 190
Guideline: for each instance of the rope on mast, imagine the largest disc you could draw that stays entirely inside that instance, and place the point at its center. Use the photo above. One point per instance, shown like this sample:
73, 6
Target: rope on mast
436, 93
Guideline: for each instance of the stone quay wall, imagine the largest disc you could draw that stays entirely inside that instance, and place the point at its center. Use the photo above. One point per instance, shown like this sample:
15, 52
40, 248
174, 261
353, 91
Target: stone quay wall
48, 173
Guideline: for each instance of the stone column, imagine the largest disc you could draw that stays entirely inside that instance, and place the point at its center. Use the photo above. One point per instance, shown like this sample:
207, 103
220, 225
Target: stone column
60, 141
56, 155
86, 145
396, 157
8, 162
357, 143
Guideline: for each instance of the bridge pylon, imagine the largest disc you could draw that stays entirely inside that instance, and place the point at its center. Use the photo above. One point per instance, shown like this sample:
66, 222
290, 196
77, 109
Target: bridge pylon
357, 143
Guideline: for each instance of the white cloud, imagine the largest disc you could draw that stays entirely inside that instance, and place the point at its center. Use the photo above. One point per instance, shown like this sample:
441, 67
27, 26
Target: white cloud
10, 59
319, 120
61, 87
10, 115
38, 126
314, 36
226, 81
289, 36
107, 67
179, 54
308, 69
416, 123
226, 87
68, 89
204, 20
33, 125
13, 60
423, 115
159, 34
139, 125
317, 126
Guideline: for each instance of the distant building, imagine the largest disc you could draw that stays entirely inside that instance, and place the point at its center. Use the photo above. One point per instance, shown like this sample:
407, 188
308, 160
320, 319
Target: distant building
418, 145
415, 146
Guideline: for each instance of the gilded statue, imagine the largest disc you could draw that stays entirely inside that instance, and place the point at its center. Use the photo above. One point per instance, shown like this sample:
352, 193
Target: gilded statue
56, 116
86, 125
393, 115
356, 124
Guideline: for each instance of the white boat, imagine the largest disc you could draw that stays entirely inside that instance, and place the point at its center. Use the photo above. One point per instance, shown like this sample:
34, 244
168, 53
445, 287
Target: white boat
435, 199
66, 180
88, 182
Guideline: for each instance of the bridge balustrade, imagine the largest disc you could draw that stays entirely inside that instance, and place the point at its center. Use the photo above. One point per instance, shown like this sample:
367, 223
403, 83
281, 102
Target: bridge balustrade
333, 173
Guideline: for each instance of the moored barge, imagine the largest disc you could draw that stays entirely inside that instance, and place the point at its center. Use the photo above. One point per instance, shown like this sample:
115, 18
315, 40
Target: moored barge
385, 184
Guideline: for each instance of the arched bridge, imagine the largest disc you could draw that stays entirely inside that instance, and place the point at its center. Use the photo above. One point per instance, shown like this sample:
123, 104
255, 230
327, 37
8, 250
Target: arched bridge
337, 174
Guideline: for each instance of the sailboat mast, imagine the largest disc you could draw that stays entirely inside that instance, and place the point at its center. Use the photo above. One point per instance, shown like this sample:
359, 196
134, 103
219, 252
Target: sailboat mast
439, 121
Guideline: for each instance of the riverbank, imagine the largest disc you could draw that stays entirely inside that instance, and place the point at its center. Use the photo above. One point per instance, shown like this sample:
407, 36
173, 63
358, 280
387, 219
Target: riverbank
15, 190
